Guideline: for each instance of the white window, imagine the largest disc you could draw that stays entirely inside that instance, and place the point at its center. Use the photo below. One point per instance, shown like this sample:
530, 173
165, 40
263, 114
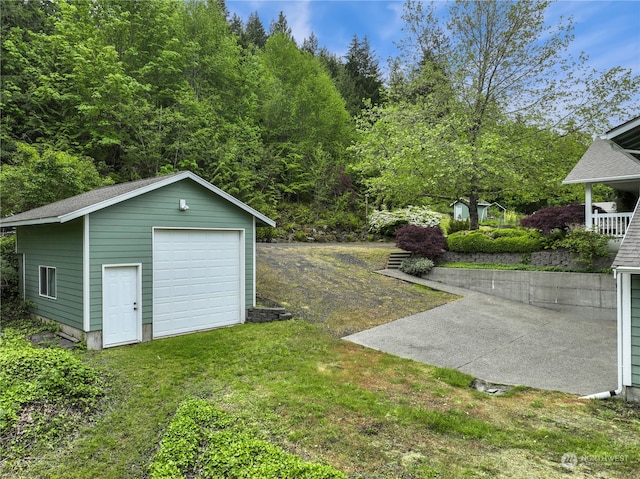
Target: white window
48, 282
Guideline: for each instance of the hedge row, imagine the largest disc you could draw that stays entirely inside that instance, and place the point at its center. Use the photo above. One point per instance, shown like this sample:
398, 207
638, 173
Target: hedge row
495, 241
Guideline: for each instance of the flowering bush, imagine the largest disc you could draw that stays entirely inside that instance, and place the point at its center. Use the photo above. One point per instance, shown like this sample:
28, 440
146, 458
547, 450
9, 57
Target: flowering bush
386, 222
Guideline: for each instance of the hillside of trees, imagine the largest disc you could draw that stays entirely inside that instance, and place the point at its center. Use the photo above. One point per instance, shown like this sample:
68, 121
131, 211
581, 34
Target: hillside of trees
102, 91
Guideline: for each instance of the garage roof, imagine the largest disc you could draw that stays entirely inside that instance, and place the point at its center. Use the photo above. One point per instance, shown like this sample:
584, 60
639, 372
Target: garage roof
85, 203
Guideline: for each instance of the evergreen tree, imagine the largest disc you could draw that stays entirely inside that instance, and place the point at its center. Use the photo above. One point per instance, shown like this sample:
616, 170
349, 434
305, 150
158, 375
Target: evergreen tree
306, 127
254, 32
280, 26
236, 26
363, 70
310, 45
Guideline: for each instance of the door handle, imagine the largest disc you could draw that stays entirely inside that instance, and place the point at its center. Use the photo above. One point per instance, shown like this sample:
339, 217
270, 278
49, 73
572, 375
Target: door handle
135, 306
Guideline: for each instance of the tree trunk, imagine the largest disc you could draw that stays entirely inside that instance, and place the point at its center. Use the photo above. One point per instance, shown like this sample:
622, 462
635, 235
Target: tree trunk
473, 211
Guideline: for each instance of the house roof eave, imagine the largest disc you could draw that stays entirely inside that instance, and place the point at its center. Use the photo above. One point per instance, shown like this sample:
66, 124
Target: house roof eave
7, 223
610, 179
621, 129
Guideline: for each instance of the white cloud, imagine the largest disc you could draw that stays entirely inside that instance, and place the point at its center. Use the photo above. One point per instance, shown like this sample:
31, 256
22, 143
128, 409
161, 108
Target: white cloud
298, 15
604, 30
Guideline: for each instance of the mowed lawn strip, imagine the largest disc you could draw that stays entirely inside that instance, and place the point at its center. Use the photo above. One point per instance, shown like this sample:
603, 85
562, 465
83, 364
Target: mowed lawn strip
369, 414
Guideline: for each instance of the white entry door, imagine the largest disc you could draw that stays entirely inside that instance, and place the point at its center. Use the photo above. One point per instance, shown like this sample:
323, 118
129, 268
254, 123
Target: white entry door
121, 305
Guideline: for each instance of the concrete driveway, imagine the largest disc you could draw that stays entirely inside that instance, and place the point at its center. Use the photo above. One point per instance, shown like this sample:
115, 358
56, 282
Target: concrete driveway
503, 342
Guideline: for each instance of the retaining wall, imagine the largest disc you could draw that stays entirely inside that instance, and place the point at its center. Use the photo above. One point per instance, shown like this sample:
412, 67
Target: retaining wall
590, 295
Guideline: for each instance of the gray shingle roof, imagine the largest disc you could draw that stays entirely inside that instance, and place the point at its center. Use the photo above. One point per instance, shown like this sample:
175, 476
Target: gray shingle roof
629, 253
604, 161
84, 200
94, 200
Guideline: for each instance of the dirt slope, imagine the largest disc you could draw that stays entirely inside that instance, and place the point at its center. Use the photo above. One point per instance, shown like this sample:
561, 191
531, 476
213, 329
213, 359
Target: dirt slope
336, 285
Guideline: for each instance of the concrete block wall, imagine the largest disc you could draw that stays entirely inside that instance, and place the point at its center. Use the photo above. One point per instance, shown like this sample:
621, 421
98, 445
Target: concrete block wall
267, 315
590, 295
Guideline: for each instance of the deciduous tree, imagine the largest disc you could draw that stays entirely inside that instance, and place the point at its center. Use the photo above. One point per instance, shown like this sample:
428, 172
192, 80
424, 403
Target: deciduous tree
502, 65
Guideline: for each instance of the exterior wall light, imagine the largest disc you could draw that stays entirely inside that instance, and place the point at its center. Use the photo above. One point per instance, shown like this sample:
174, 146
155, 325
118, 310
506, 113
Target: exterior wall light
183, 205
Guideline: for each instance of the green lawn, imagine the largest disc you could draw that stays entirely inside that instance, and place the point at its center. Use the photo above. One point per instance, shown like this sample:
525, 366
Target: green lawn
368, 414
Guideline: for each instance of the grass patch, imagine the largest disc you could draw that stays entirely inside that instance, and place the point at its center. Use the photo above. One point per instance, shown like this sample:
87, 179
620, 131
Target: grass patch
453, 377
296, 386
334, 286
326, 401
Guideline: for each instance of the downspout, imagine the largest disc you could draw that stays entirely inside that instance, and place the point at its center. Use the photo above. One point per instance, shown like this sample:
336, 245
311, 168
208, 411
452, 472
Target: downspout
619, 314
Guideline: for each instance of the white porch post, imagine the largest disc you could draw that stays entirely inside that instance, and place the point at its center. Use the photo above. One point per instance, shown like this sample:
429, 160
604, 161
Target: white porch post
588, 217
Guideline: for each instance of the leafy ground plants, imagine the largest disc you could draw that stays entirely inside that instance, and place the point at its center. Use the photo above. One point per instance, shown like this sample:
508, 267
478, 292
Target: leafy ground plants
202, 439
44, 394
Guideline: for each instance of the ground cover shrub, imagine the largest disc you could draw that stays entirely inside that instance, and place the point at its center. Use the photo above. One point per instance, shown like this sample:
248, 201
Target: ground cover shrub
555, 218
204, 441
510, 240
387, 222
44, 392
458, 225
586, 245
300, 218
8, 268
563, 227
416, 265
265, 234
428, 241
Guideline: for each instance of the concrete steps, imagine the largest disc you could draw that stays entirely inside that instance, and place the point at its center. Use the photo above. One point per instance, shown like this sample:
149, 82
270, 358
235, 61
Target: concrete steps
395, 259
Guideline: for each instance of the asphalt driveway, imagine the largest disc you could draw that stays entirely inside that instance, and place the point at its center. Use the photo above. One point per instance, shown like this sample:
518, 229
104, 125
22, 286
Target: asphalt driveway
503, 342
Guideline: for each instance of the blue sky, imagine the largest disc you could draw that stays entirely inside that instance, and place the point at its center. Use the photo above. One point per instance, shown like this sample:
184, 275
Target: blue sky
608, 32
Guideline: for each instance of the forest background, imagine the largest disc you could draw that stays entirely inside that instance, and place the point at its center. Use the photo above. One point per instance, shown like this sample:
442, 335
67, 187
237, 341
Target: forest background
481, 105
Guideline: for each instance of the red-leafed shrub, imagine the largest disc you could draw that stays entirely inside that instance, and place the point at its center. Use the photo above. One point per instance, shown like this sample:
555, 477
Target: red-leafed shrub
427, 241
555, 218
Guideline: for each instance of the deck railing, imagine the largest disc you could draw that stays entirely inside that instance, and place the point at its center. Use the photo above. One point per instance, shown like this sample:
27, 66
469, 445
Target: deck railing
614, 224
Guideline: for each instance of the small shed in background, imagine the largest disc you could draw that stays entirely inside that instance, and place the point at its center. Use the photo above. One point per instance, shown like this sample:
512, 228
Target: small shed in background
461, 211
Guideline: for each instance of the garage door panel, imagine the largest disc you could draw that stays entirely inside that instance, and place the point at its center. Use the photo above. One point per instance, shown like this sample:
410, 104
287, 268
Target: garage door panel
197, 280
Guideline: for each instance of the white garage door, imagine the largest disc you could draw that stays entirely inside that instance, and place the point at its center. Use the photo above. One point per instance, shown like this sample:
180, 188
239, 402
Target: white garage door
197, 280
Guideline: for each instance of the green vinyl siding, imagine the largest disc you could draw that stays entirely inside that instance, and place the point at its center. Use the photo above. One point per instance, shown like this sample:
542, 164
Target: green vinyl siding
123, 233
57, 246
635, 330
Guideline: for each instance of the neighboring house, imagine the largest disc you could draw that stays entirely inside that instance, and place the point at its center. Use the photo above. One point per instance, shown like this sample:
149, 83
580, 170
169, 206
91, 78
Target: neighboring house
614, 160
141, 260
461, 211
